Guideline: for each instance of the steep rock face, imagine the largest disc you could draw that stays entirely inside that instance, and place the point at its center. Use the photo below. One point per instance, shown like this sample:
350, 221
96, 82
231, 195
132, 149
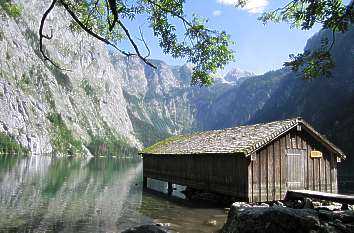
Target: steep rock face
159, 101
88, 97
326, 103
236, 105
162, 101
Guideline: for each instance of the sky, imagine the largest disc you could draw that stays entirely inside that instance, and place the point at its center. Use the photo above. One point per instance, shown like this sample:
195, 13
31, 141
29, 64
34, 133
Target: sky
258, 48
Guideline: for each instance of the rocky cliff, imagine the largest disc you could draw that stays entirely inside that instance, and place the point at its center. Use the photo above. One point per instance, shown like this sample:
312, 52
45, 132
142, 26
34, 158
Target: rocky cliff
326, 103
48, 109
107, 97
162, 102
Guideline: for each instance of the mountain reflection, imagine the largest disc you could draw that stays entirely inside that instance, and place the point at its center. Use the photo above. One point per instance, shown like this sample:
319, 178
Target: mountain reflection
46, 194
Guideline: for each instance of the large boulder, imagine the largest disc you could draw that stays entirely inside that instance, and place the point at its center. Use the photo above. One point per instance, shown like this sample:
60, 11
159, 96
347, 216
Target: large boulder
285, 220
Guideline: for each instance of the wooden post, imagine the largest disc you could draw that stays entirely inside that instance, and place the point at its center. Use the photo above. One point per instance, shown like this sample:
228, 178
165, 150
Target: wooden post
144, 182
169, 189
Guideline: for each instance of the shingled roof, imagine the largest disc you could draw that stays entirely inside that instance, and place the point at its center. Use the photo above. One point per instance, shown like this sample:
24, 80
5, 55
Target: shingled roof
242, 139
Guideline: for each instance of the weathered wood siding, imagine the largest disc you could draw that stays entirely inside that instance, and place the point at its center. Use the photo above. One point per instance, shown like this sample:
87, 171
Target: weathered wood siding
268, 173
281, 165
220, 173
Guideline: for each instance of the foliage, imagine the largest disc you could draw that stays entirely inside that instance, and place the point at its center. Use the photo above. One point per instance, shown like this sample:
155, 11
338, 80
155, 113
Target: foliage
9, 145
178, 36
146, 132
313, 64
2, 35
89, 91
24, 82
110, 145
304, 14
12, 9
62, 138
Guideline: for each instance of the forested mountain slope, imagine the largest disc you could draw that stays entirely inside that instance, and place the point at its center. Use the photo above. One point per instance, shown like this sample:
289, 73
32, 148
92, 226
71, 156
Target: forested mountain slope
326, 103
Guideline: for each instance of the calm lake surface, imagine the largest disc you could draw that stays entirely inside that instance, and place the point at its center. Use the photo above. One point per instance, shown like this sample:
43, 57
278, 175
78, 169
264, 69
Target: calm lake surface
47, 194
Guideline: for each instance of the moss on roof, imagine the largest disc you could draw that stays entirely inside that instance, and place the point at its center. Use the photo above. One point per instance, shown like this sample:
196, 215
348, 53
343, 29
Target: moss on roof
242, 139
155, 146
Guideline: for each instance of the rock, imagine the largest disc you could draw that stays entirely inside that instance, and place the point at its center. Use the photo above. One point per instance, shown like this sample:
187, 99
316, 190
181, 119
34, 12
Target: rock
345, 207
316, 204
240, 205
264, 205
245, 219
151, 228
211, 222
278, 203
31, 90
307, 204
331, 207
272, 219
346, 216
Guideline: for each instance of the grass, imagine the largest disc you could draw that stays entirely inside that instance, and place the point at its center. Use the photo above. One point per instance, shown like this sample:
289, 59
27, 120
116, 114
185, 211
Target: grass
62, 138
152, 148
8, 145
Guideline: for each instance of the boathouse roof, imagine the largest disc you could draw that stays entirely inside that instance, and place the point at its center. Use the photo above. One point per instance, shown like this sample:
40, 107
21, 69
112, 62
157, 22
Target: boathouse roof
238, 140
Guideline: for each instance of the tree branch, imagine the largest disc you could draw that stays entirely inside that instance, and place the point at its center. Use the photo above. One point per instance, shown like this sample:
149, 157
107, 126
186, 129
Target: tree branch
113, 7
42, 36
132, 42
152, 2
89, 31
144, 42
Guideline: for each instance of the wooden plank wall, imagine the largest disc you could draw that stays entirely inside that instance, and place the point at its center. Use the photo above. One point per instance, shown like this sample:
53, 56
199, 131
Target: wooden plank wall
320, 173
268, 173
221, 173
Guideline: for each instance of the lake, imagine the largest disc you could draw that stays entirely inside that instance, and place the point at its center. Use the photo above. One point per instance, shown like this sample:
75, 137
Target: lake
48, 194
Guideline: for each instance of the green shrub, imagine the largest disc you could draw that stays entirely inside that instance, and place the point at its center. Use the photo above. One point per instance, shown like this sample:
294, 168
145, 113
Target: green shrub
62, 138
90, 91
2, 35
110, 146
8, 145
12, 9
24, 82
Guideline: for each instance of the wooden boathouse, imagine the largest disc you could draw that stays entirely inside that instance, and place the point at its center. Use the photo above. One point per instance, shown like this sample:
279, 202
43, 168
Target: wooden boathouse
254, 163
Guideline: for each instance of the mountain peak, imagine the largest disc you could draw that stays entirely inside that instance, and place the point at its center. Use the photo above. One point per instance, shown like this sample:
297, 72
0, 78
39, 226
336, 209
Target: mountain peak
236, 76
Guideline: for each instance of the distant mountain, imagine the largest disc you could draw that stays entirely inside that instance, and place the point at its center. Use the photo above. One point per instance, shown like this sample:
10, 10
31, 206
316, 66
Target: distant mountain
326, 103
162, 101
236, 76
110, 96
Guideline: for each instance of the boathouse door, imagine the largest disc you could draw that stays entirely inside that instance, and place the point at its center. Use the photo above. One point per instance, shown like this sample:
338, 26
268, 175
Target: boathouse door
296, 169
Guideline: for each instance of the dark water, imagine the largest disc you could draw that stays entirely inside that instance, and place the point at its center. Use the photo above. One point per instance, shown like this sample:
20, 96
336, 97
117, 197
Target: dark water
46, 194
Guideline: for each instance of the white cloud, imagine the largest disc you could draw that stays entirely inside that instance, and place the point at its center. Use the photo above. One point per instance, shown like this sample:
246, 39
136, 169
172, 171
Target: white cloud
217, 13
252, 6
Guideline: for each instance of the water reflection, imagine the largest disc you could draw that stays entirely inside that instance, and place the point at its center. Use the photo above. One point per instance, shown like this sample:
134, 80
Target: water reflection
46, 194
